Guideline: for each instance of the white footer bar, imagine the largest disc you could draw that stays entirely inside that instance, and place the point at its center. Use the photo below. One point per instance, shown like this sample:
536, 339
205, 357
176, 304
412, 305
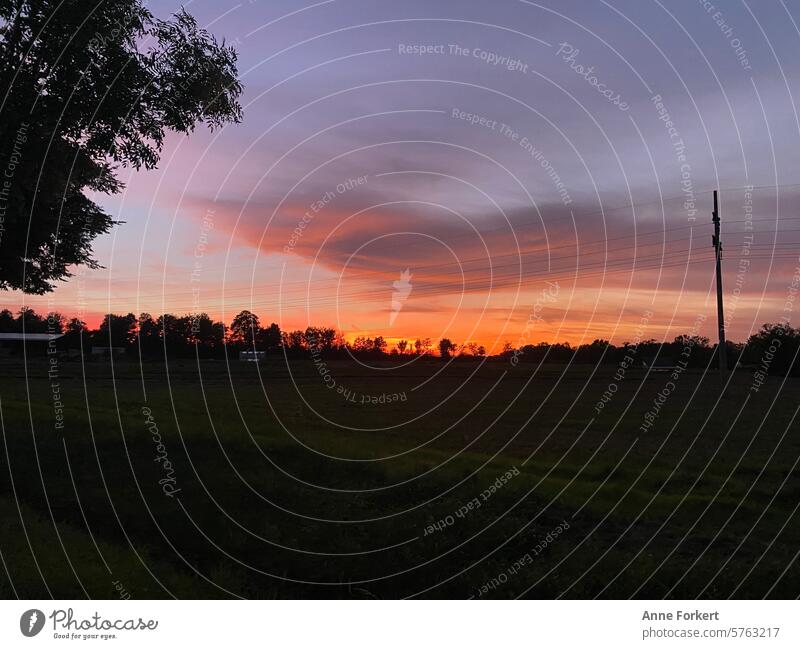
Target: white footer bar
400, 624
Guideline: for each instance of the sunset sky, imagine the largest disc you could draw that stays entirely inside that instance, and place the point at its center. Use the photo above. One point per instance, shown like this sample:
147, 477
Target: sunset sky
530, 197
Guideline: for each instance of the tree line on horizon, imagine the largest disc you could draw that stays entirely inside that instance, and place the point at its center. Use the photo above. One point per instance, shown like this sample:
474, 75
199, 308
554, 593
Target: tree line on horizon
777, 346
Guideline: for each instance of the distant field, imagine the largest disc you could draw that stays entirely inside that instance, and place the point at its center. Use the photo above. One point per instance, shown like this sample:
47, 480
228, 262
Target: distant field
279, 486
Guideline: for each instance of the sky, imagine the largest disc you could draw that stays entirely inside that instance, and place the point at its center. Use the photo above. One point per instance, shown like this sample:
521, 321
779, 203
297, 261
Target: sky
504, 171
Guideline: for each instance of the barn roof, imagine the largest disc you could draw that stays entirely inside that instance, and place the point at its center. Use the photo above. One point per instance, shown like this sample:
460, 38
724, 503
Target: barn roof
30, 337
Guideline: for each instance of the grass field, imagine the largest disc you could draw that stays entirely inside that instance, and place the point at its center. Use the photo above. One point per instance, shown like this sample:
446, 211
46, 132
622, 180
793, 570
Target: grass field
244, 480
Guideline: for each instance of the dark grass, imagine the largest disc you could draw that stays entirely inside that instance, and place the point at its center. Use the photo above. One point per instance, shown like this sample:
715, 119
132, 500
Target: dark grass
704, 504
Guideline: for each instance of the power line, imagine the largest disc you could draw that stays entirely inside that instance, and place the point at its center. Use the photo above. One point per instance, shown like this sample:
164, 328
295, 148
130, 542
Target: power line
450, 288
581, 253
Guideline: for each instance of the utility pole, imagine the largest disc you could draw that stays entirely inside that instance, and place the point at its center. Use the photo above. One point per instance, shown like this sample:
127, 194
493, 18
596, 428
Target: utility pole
722, 349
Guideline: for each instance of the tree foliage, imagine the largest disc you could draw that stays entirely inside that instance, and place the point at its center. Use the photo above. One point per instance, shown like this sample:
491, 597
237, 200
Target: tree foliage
773, 351
244, 328
87, 88
446, 348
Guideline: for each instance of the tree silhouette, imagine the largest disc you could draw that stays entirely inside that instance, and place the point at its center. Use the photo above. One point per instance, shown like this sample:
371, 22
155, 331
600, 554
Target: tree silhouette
174, 333
116, 330
6, 321
56, 323
320, 338
244, 328
270, 338
89, 87
149, 335
422, 345
28, 321
774, 349
205, 333
73, 336
446, 347
363, 344
294, 340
